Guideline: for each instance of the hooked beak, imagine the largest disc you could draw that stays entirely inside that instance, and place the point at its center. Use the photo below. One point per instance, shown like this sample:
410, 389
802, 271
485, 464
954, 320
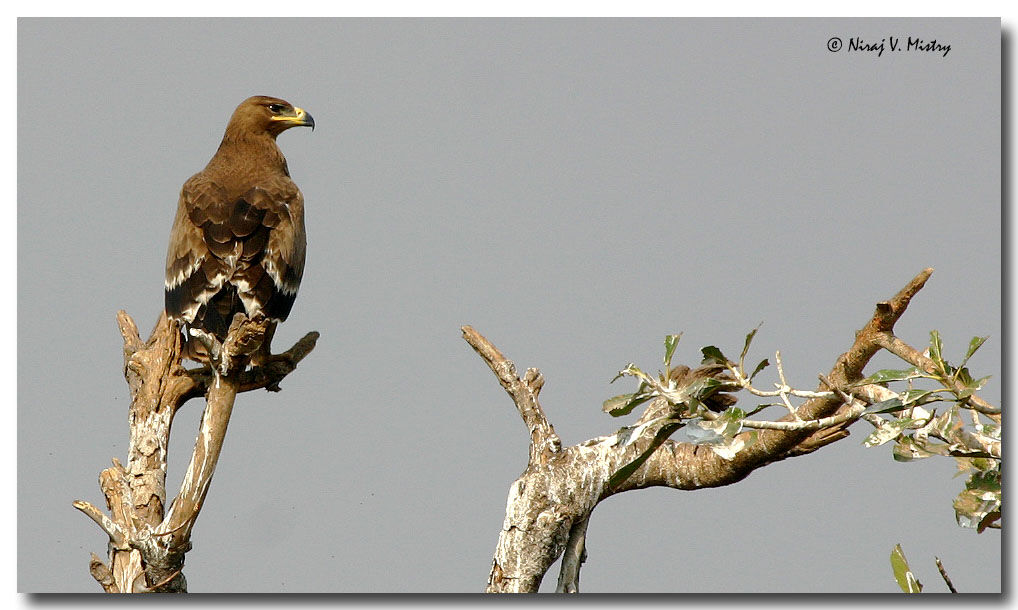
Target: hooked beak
299, 118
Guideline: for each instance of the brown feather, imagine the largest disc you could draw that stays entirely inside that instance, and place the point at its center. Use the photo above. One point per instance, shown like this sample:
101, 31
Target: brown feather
238, 242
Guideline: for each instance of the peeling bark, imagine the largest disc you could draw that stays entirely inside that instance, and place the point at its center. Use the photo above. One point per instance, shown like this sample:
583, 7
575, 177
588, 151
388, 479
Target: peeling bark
550, 504
146, 543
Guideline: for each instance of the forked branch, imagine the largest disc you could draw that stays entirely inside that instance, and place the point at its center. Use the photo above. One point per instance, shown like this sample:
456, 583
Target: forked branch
147, 544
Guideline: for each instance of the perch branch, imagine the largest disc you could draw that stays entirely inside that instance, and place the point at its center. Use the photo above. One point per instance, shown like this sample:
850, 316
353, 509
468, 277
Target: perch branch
211, 434
147, 547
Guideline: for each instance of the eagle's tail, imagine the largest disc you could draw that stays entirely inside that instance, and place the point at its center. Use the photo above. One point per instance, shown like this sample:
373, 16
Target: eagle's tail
214, 318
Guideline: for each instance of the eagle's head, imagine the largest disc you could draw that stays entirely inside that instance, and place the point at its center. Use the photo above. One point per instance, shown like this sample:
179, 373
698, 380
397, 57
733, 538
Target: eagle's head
271, 115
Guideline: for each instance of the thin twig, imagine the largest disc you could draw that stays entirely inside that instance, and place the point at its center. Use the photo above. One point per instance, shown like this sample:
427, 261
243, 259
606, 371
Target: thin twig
943, 573
114, 531
784, 388
913, 356
797, 424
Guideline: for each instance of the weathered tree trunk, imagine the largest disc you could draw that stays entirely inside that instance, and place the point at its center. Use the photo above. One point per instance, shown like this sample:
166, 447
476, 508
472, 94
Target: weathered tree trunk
550, 504
147, 544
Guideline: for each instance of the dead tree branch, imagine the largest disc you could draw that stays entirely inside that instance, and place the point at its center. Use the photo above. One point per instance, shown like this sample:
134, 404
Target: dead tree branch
943, 574
572, 558
543, 440
550, 504
147, 544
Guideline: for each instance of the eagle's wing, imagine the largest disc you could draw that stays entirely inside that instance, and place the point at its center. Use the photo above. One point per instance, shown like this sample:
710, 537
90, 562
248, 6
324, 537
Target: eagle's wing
234, 254
273, 254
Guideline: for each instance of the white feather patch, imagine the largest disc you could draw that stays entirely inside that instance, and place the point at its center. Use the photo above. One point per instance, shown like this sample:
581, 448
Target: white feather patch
277, 275
185, 273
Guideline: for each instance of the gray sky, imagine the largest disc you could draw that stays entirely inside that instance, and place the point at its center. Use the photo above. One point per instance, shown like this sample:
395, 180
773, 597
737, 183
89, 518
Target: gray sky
575, 189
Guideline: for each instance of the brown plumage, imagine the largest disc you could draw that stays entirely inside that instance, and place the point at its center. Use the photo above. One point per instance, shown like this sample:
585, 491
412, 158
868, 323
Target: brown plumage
238, 242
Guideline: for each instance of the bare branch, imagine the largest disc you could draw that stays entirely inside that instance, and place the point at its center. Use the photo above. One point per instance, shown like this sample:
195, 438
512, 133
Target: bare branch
129, 330
211, 434
270, 375
102, 574
943, 574
800, 424
573, 557
543, 439
112, 529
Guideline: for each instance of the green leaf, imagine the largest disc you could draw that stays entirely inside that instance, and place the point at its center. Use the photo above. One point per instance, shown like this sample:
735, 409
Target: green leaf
627, 471
902, 574
712, 355
936, 351
916, 396
973, 387
688, 407
734, 427
907, 450
702, 432
734, 414
980, 497
975, 344
991, 431
623, 404
763, 364
889, 431
749, 339
719, 435
671, 341
702, 388
985, 481
635, 371
962, 374
885, 406
615, 402
949, 423
887, 375
627, 435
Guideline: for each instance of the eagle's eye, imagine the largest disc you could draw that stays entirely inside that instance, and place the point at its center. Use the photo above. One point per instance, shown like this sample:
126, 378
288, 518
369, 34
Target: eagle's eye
276, 108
